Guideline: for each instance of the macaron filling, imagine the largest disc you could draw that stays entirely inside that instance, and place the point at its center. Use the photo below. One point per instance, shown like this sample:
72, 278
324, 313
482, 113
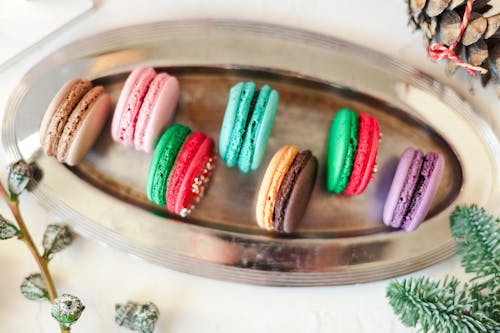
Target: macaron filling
286, 188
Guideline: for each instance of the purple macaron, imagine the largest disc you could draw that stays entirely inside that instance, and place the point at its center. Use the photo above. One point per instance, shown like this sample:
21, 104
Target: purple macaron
413, 188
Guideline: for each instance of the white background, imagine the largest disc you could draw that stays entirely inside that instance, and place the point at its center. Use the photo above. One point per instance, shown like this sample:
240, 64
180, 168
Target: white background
102, 276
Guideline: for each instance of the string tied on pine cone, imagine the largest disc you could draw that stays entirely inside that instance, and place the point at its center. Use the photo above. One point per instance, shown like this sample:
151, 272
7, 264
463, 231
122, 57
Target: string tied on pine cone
438, 51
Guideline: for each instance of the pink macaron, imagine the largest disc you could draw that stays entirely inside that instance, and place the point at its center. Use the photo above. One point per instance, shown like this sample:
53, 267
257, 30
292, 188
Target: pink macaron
145, 108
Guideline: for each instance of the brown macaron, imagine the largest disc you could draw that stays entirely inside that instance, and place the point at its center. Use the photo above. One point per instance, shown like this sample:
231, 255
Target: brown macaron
286, 189
73, 120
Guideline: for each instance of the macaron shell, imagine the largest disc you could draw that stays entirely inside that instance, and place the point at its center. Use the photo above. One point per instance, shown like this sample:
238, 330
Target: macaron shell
163, 160
264, 189
372, 157
279, 166
157, 110
408, 191
53, 105
196, 178
398, 183
130, 110
286, 187
180, 169
88, 128
122, 100
229, 117
61, 115
366, 155
337, 147
349, 158
432, 172
264, 131
342, 142
248, 147
300, 196
239, 125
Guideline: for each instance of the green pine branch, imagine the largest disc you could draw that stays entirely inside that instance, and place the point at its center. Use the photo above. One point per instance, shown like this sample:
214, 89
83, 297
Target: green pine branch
438, 306
487, 301
444, 307
477, 236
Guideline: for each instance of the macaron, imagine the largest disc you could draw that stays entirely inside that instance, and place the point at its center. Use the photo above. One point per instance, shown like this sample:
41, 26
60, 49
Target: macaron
413, 189
352, 152
247, 125
73, 120
180, 169
286, 189
145, 108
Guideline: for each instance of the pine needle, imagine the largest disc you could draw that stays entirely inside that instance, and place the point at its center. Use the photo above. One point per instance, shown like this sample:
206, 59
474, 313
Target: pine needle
438, 306
444, 307
477, 236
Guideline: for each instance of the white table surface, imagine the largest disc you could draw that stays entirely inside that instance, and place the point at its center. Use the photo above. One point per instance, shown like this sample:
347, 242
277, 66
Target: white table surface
102, 276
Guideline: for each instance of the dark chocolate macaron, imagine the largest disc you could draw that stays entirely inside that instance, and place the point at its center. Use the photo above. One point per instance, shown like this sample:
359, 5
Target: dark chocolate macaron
286, 189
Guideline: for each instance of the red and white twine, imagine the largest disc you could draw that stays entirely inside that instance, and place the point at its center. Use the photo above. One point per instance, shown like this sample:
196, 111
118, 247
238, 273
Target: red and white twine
438, 51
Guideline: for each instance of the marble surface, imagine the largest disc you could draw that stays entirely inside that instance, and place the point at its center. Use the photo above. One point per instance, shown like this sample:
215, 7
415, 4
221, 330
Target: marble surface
102, 276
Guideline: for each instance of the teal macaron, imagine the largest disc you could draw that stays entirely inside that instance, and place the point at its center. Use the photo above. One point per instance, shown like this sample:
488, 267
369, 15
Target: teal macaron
164, 156
247, 125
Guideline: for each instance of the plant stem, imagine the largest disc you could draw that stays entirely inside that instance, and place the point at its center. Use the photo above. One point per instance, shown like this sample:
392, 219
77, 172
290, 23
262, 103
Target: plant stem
26, 238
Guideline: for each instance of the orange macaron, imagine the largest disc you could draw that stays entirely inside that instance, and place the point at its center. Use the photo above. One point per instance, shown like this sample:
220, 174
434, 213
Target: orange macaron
286, 189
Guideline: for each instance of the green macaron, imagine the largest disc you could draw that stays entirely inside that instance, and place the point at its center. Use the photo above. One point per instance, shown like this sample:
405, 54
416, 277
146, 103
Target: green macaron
163, 160
341, 151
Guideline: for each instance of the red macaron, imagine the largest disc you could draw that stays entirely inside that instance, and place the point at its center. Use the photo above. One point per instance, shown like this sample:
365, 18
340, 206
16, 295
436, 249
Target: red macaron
190, 173
366, 155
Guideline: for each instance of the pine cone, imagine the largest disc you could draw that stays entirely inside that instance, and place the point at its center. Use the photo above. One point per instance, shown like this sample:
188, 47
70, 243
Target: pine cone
440, 22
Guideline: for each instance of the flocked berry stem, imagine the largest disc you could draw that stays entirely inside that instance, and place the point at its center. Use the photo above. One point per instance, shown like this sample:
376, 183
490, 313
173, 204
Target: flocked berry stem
26, 238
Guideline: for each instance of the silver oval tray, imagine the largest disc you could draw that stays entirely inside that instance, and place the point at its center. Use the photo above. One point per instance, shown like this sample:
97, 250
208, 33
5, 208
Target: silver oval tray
341, 240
